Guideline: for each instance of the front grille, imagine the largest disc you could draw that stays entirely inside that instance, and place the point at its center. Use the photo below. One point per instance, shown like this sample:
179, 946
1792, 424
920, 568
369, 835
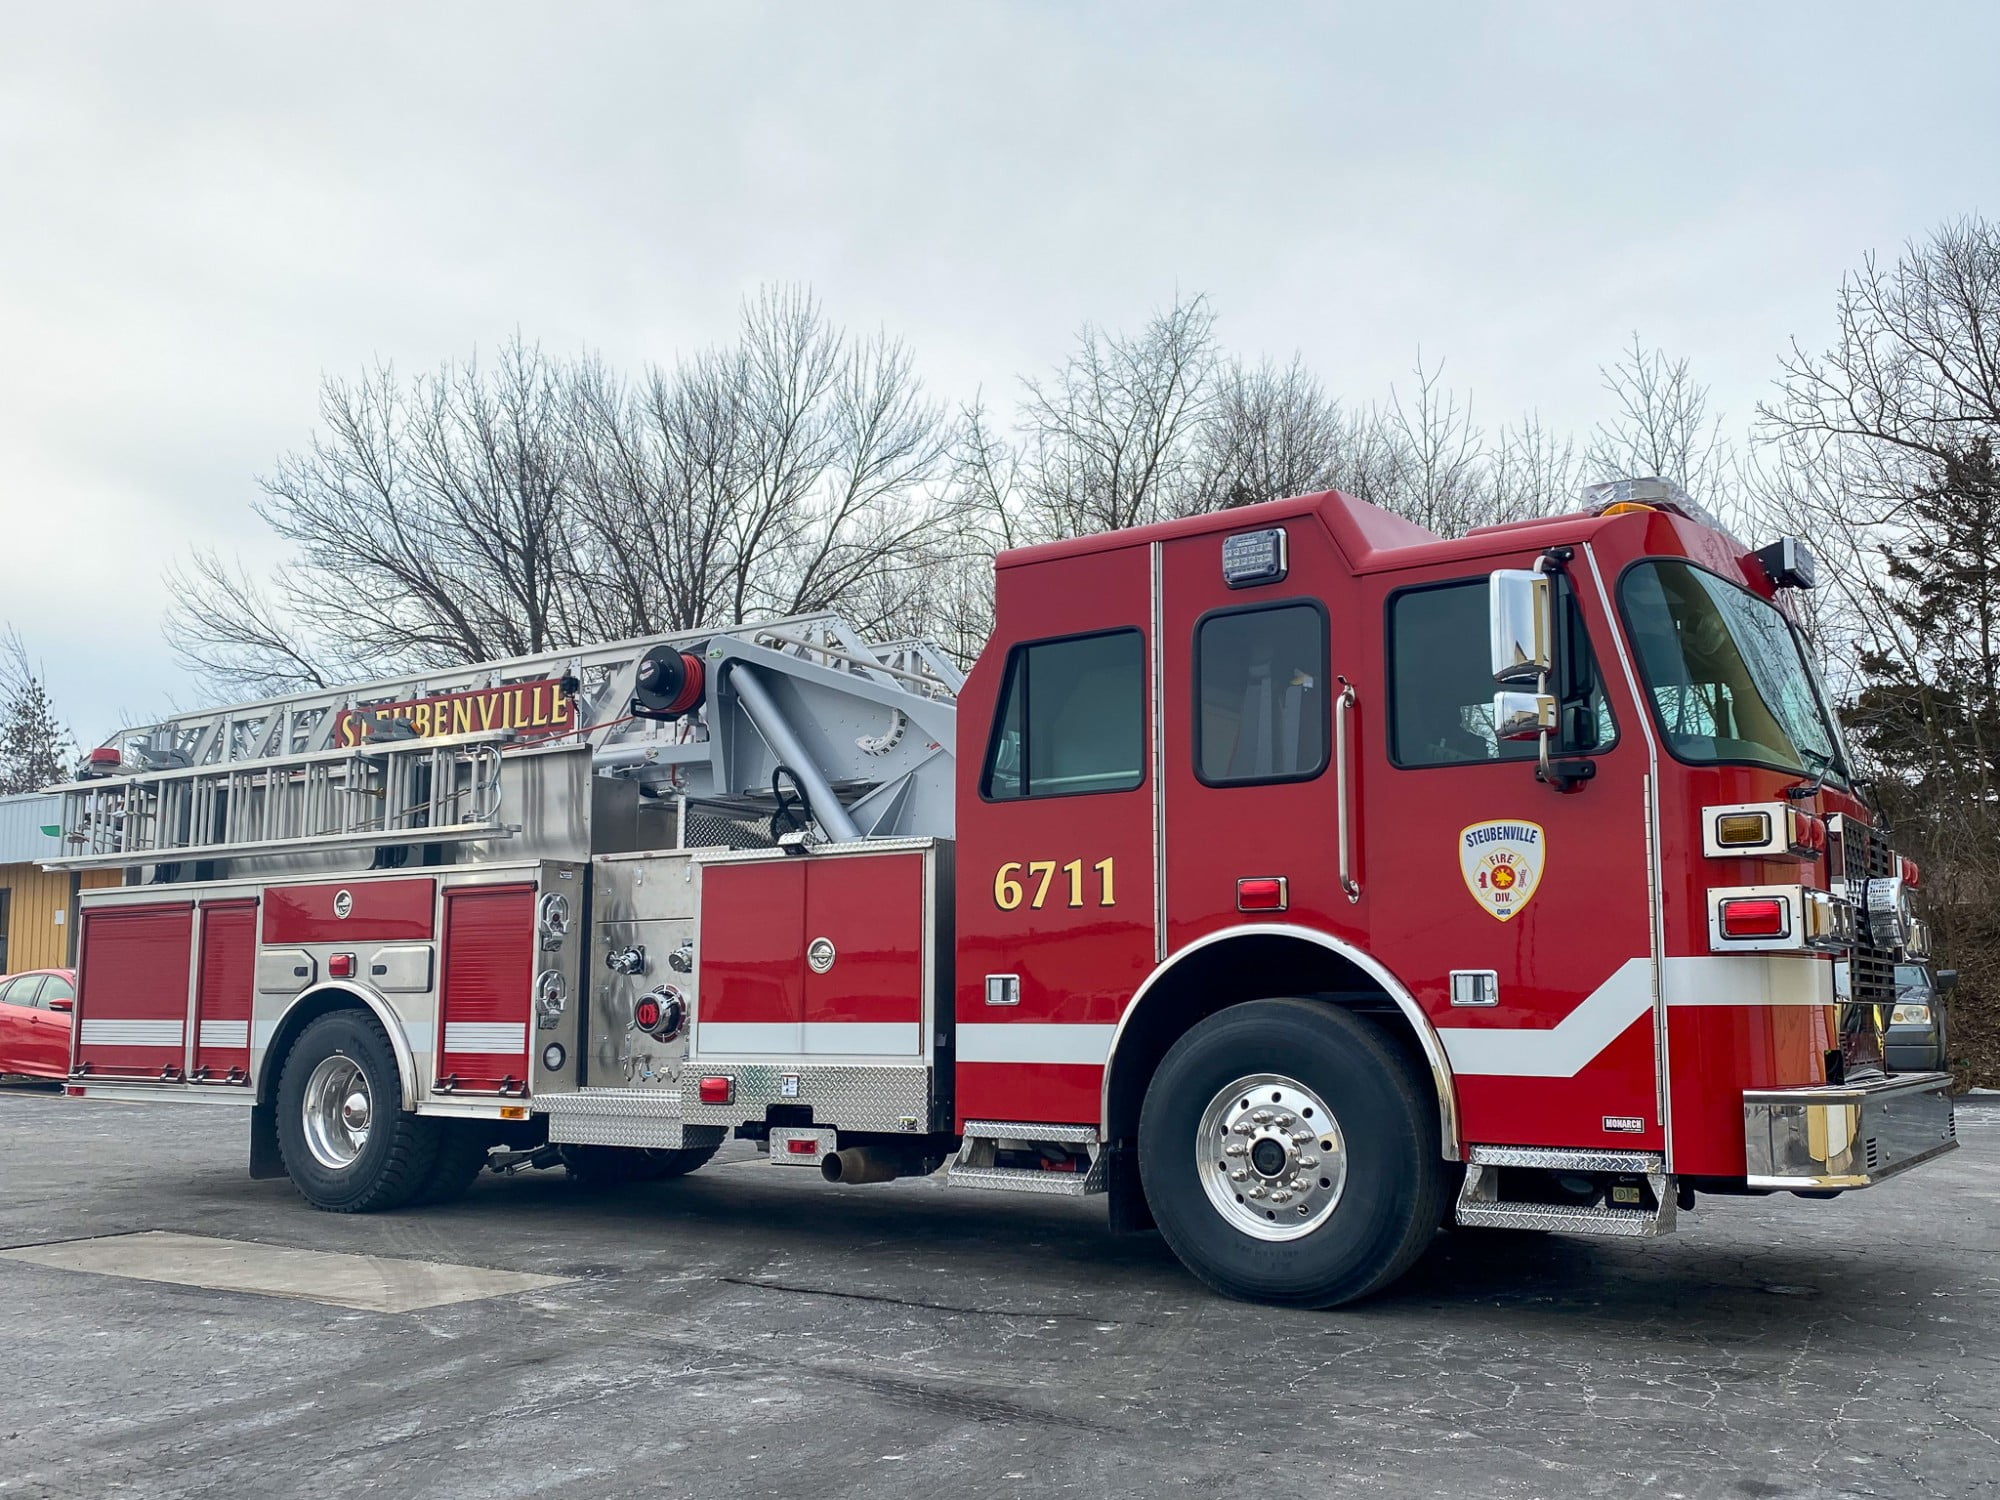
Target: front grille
1857, 854
1860, 854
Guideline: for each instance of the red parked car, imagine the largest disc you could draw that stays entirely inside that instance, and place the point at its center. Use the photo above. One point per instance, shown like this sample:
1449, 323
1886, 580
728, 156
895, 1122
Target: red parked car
35, 1011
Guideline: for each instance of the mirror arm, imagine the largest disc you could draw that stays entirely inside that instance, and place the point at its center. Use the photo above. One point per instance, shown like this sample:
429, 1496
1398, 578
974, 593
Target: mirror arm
1564, 775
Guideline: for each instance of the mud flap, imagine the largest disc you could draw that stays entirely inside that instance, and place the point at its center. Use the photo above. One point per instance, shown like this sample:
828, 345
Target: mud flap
1128, 1210
266, 1160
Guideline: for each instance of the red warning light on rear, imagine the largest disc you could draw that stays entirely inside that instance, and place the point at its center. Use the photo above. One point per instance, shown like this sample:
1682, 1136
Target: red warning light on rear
802, 1145
340, 965
718, 1091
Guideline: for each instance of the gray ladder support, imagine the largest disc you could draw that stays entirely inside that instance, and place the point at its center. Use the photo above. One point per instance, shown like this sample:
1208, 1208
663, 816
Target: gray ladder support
299, 723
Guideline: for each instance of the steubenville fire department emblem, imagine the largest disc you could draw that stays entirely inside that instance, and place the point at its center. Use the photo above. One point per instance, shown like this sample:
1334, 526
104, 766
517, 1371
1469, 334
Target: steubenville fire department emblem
1502, 864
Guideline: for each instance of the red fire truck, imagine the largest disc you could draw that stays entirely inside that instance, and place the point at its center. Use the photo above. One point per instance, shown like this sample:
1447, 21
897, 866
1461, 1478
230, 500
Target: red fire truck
1307, 883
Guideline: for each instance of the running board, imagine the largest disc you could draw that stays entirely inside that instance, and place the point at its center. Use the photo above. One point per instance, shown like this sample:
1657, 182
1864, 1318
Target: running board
977, 1164
1481, 1206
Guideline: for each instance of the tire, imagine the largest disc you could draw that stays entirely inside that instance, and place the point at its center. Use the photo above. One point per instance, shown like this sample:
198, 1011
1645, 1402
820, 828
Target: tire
393, 1155
614, 1166
1334, 1224
461, 1157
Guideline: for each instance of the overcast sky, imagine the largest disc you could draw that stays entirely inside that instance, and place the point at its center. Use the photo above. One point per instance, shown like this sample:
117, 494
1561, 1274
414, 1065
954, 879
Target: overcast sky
203, 208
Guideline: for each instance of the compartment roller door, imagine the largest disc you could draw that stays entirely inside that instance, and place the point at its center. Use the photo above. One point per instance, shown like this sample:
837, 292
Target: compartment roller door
132, 995
225, 982
489, 972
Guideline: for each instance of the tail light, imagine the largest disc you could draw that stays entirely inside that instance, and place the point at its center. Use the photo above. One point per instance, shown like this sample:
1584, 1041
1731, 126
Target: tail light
718, 1090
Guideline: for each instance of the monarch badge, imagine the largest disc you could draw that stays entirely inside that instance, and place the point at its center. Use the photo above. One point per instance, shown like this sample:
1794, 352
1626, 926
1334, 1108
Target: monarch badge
1502, 864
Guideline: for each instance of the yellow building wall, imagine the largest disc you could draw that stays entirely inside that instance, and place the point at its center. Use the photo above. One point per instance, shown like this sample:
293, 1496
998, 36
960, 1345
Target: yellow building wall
35, 938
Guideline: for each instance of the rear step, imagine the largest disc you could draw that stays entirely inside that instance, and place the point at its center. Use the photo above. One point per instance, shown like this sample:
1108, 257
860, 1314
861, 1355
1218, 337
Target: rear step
1480, 1204
1072, 1159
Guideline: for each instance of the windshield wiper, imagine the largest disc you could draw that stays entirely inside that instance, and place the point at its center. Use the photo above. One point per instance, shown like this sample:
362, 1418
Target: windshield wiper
1800, 790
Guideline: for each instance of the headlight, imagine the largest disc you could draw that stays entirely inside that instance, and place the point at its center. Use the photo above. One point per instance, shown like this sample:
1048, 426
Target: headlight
1910, 1015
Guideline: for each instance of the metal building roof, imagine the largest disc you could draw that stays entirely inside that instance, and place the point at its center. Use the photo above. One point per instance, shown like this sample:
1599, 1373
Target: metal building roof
22, 819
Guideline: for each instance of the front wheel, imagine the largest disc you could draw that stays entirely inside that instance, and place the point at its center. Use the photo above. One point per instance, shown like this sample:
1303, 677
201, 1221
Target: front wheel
349, 1145
1290, 1154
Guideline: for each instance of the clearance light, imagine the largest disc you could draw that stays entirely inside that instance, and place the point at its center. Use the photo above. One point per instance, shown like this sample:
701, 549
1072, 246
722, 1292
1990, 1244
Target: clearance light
340, 965
1755, 917
1262, 893
802, 1145
1738, 830
1775, 829
1912, 876
718, 1091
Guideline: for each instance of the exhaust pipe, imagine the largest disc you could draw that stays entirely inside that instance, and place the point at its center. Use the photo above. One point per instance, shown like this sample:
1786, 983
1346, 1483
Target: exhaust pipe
859, 1164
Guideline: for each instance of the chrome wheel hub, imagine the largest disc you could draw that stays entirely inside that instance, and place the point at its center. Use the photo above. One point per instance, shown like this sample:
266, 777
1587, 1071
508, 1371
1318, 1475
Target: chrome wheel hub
1271, 1157
338, 1109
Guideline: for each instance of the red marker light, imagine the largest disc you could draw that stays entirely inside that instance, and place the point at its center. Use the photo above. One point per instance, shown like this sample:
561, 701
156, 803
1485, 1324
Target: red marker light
340, 965
802, 1146
1912, 876
1756, 917
718, 1090
1261, 893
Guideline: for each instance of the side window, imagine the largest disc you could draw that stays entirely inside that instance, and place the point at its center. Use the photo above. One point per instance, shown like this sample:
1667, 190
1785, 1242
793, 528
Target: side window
21, 991
55, 988
1261, 691
1441, 686
1072, 719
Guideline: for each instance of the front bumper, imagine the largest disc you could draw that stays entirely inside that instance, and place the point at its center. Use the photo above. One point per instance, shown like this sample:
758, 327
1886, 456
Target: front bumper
1846, 1135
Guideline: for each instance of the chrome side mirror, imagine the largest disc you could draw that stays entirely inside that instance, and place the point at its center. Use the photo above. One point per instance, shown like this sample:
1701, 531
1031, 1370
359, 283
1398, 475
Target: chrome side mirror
1523, 716
1522, 625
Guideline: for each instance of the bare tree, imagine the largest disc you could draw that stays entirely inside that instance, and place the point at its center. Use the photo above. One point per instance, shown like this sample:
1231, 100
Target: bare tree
484, 513
1663, 427
1112, 438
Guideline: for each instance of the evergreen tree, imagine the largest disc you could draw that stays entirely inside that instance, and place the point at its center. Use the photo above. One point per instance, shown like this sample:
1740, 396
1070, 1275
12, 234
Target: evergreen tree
35, 748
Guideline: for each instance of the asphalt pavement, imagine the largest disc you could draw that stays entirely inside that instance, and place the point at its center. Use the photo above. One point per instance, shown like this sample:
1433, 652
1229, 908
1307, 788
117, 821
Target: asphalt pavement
752, 1331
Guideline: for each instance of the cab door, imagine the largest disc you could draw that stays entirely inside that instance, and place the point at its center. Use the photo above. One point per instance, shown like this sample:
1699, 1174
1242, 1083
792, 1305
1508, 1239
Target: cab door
1252, 676
1517, 912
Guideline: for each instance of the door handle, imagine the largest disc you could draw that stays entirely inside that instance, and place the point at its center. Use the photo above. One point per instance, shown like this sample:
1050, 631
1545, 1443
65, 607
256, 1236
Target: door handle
1343, 705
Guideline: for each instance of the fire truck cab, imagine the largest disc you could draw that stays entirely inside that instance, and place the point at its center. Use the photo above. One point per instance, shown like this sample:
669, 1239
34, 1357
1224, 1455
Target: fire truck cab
1302, 882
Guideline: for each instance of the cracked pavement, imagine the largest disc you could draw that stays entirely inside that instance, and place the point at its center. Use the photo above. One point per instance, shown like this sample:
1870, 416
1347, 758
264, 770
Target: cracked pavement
753, 1331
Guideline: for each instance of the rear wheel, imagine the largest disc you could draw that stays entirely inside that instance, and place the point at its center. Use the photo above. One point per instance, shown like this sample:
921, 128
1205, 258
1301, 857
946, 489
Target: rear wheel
610, 1166
349, 1146
461, 1157
1290, 1154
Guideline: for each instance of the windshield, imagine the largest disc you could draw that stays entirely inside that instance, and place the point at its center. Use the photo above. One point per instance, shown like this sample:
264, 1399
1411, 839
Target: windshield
1728, 676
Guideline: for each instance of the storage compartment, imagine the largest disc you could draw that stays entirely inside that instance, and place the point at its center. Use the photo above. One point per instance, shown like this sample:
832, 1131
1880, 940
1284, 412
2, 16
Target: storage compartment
224, 986
132, 998
752, 953
489, 971
815, 956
